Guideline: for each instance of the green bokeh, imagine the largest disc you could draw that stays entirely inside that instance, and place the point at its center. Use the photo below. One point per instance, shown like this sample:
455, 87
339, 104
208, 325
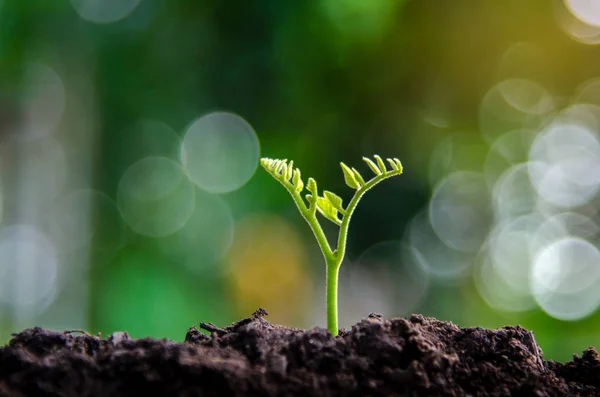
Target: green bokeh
320, 82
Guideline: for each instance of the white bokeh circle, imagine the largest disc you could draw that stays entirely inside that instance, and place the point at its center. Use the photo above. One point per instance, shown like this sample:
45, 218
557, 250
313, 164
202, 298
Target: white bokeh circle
104, 11
565, 279
155, 197
220, 152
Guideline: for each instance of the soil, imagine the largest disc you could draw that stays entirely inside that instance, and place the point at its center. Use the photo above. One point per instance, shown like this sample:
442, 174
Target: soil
414, 356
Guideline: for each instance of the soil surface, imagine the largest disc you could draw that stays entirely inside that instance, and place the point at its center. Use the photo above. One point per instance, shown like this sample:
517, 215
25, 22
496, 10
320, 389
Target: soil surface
416, 356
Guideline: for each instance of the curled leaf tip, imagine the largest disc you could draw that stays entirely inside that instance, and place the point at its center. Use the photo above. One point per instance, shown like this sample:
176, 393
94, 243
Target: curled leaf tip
290, 170
312, 185
372, 166
358, 177
392, 164
380, 163
349, 177
297, 181
335, 200
399, 164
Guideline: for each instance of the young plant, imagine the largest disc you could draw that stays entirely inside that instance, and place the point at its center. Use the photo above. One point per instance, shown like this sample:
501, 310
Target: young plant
330, 206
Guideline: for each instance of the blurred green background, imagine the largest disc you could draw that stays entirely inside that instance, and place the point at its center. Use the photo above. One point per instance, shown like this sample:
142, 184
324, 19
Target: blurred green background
130, 134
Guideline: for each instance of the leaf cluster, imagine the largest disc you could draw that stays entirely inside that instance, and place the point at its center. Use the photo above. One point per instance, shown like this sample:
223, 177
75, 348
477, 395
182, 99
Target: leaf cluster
329, 204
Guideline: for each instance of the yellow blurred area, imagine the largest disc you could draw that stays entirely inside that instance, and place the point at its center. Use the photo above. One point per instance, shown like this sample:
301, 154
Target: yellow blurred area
268, 268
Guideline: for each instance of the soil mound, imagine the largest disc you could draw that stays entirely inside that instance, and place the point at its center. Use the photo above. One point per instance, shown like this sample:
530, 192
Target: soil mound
414, 356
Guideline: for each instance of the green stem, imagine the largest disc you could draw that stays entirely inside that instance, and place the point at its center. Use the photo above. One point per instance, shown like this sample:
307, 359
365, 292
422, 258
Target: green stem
333, 268
309, 216
333, 258
343, 235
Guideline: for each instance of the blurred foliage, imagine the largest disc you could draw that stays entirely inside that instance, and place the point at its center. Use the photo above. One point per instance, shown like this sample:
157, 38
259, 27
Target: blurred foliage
107, 83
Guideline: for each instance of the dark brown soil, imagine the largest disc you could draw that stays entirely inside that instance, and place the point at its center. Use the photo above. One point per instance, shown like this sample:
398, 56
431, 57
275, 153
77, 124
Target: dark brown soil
417, 356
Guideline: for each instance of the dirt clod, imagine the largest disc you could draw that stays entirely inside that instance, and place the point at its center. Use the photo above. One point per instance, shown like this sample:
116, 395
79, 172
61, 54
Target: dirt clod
415, 356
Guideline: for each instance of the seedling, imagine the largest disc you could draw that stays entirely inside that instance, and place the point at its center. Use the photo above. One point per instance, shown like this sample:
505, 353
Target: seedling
330, 206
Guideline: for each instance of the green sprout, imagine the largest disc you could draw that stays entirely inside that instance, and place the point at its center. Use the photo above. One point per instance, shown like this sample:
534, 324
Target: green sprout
330, 206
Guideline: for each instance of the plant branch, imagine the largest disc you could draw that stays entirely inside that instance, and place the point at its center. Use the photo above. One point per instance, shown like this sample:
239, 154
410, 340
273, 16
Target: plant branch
329, 205
343, 234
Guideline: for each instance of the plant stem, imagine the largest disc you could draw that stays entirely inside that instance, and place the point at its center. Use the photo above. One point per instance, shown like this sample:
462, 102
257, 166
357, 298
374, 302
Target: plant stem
334, 262
333, 258
343, 235
333, 268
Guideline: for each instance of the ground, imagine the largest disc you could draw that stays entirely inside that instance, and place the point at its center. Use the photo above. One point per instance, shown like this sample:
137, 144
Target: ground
414, 356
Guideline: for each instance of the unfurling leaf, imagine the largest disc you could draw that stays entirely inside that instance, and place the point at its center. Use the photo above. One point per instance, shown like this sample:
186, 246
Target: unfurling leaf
290, 170
358, 176
349, 177
283, 171
266, 162
380, 163
327, 210
392, 164
335, 200
329, 205
399, 164
277, 164
312, 186
298, 184
372, 166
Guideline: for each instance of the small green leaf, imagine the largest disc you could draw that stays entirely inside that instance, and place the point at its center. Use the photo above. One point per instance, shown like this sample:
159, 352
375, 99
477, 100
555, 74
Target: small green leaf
283, 171
399, 164
273, 164
265, 162
358, 176
298, 184
290, 170
380, 163
372, 166
349, 177
334, 199
312, 186
392, 164
278, 164
327, 210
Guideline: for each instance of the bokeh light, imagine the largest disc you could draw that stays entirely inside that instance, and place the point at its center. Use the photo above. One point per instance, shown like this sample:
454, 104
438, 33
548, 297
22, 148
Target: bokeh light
526, 96
433, 256
513, 193
44, 171
149, 137
43, 101
578, 19
220, 152
460, 212
104, 11
381, 277
566, 279
509, 149
457, 152
513, 104
361, 20
205, 238
155, 197
503, 277
28, 268
588, 11
566, 164
267, 266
